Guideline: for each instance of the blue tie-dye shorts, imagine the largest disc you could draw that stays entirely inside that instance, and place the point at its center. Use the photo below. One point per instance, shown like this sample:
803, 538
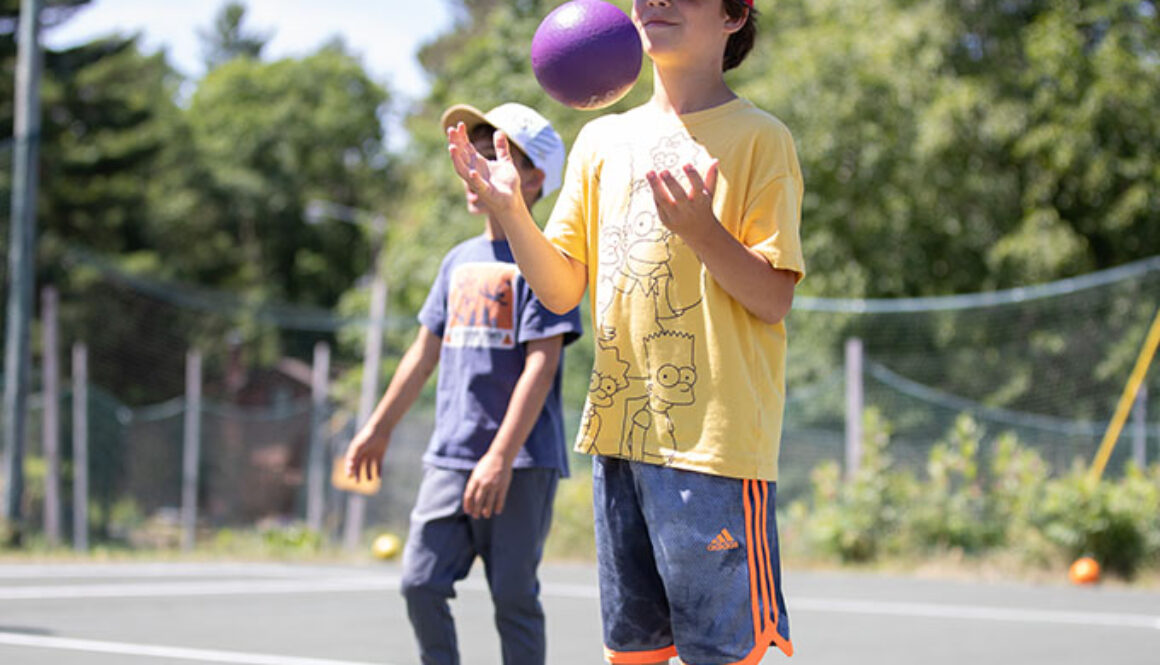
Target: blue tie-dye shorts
688, 565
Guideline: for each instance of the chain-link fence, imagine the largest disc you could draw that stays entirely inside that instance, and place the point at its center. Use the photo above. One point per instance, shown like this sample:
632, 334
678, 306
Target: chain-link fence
1046, 363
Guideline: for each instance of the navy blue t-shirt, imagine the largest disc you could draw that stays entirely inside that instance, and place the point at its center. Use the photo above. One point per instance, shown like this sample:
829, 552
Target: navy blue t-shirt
485, 313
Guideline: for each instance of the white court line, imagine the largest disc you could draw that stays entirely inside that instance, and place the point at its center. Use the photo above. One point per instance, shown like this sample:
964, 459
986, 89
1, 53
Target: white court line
139, 570
175, 589
173, 653
575, 591
974, 612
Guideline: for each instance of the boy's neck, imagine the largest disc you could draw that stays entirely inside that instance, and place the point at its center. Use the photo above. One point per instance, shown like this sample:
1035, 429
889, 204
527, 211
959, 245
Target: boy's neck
682, 90
492, 230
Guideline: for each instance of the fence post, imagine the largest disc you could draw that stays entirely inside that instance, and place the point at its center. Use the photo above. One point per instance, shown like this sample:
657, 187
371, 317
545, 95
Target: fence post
21, 262
356, 504
854, 405
1139, 428
192, 449
80, 424
50, 300
317, 458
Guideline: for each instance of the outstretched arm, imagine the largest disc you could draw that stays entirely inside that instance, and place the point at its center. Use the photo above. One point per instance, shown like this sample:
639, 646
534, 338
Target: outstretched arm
364, 455
558, 279
487, 488
765, 291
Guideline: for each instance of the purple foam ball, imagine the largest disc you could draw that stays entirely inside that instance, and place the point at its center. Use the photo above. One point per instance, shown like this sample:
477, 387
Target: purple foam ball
586, 54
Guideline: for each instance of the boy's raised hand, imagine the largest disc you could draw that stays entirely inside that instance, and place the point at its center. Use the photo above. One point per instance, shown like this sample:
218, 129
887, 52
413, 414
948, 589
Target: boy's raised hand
497, 182
685, 212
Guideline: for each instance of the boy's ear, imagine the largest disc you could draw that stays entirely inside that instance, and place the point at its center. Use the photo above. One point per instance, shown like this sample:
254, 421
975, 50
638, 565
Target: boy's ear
534, 179
733, 25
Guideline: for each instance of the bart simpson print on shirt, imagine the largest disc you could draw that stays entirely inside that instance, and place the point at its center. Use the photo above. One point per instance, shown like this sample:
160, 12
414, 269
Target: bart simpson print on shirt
643, 378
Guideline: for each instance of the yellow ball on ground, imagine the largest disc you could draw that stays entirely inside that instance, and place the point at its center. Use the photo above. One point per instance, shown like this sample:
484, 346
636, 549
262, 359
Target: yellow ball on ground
386, 546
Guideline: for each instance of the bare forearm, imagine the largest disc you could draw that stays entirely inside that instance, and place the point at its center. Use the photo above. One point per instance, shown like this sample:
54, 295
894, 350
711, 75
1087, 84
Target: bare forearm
414, 369
558, 279
763, 290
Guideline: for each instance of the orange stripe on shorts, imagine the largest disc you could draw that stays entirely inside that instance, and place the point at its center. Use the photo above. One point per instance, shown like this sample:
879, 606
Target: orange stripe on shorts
639, 657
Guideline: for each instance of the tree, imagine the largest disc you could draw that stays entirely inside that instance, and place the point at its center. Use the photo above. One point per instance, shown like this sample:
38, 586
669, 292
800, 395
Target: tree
268, 138
226, 39
991, 144
947, 147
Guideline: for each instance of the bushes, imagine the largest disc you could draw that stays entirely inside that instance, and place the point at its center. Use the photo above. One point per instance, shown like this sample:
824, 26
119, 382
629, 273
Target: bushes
1116, 523
1010, 505
857, 520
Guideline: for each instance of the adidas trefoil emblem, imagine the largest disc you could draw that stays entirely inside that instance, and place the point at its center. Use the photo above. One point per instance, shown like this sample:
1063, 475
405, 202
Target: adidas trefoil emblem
723, 541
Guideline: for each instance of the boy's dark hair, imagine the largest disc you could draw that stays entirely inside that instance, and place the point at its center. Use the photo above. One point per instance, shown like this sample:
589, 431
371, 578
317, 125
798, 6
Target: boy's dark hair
741, 42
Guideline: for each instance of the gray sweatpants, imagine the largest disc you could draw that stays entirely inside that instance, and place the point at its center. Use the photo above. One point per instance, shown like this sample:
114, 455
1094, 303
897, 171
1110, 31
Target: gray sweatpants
443, 544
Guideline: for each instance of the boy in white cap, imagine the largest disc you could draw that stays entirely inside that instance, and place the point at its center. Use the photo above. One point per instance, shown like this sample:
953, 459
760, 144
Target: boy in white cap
498, 449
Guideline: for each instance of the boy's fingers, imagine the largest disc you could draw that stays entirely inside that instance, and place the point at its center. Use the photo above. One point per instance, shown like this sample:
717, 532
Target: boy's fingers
502, 147
699, 187
475, 179
660, 193
470, 502
675, 191
455, 138
696, 185
483, 505
711, 178
468, 505
458, 162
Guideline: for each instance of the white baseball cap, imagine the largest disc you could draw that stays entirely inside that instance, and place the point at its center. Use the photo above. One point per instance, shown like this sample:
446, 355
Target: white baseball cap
530, 131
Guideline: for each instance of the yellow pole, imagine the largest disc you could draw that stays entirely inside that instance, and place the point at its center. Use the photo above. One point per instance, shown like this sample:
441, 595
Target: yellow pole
1125, 406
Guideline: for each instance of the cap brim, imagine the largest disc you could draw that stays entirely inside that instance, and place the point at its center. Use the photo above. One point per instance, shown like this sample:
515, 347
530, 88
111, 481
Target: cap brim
471, 117
468, 115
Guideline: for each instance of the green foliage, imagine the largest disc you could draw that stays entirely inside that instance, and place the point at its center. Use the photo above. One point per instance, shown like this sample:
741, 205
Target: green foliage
989, 145
951, 511
271, 136
206, 188
1018, 476
1116, 523
885, 511
858, 519
572, 534
292, 538
226, 39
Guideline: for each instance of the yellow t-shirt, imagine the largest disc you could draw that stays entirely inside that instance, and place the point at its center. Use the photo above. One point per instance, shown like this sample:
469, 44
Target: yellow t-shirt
684, 374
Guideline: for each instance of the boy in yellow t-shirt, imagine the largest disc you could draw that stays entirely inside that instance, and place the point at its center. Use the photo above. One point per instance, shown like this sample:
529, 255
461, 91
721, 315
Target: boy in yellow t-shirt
682, 216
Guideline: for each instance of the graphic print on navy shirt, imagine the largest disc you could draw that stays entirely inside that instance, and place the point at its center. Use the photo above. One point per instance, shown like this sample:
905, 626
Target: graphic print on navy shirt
485, 314
481, 306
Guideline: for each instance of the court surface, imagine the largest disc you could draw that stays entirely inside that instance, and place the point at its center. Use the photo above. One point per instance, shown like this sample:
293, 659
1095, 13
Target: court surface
274, 614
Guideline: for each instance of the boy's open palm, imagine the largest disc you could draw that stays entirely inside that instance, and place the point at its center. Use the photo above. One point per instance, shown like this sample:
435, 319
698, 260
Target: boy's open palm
487, 487
497, 182
686, 213
364, 455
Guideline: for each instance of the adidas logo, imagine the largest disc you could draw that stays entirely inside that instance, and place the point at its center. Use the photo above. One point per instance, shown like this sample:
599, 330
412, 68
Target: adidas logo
723, 541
